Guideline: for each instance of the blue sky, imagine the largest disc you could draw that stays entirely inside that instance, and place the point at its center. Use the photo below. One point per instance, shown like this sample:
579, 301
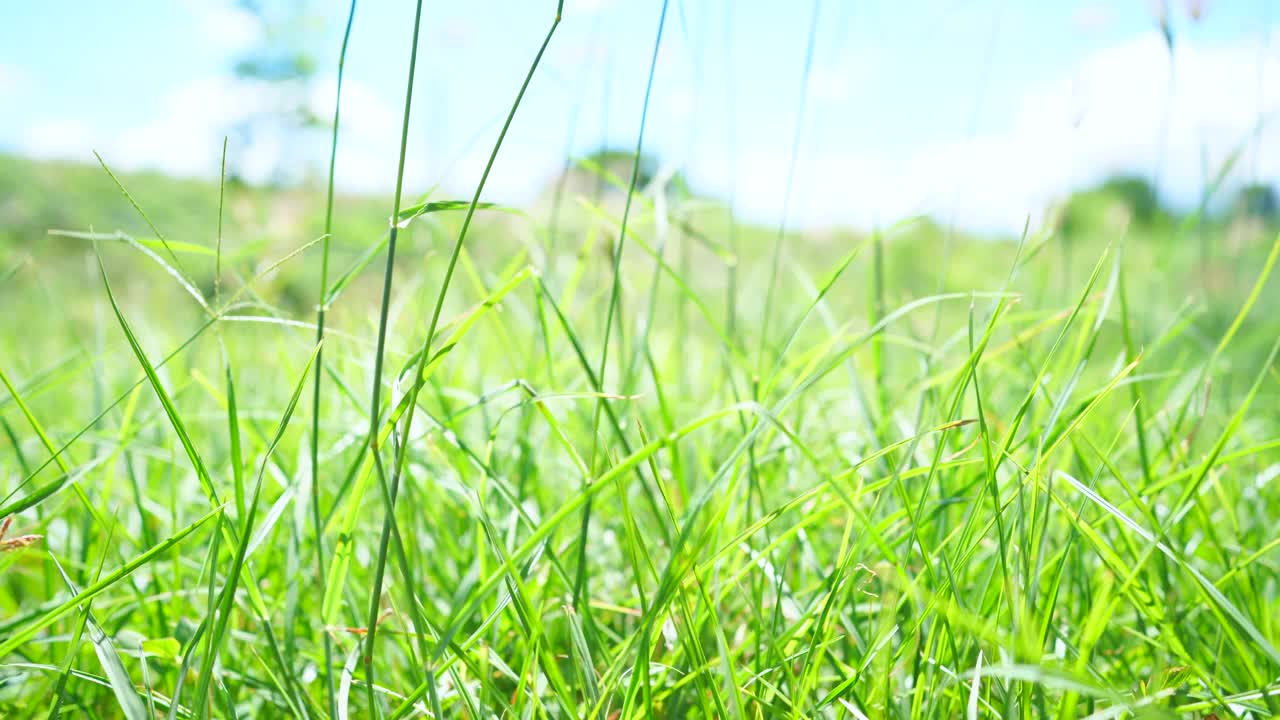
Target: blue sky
984, 111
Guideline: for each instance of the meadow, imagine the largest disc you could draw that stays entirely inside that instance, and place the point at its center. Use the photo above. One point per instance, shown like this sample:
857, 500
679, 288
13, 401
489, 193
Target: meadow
286, 452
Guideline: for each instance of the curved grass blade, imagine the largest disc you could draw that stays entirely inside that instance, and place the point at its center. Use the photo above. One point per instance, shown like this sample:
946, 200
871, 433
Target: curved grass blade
112, 666
19, 637
202, 472
227, 598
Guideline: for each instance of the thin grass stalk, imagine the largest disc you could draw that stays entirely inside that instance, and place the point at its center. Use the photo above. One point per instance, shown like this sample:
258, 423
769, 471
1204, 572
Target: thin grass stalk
416, 386
580, 581
375, 592
317, 524
217, 262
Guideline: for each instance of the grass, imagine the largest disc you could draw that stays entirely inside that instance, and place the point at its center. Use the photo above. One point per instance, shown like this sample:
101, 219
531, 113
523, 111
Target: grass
1037, 482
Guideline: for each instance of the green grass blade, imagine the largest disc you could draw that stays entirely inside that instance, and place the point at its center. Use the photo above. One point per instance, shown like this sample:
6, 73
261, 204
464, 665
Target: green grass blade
50, 616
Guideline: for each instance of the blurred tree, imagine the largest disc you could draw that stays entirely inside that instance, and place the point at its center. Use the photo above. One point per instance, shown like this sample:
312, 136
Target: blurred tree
276, 75
1136, 193
1121, 198
605, 174
1257, 200
619, 163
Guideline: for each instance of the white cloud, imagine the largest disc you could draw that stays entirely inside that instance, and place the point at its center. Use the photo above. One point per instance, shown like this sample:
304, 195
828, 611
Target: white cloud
1117, 112
1105, 115
1108, 115
1092, 18
67, 139
369, 135
839, 83
184, 136
229, 27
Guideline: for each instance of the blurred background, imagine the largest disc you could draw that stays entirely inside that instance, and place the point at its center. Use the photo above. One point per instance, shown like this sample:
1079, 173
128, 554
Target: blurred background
982, 113
954, 128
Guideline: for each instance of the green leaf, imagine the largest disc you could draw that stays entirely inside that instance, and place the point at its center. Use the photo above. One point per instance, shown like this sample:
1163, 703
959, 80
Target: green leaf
425, 208
166, 648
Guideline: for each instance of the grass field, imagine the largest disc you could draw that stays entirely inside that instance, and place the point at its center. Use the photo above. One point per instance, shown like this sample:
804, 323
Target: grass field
637, 461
